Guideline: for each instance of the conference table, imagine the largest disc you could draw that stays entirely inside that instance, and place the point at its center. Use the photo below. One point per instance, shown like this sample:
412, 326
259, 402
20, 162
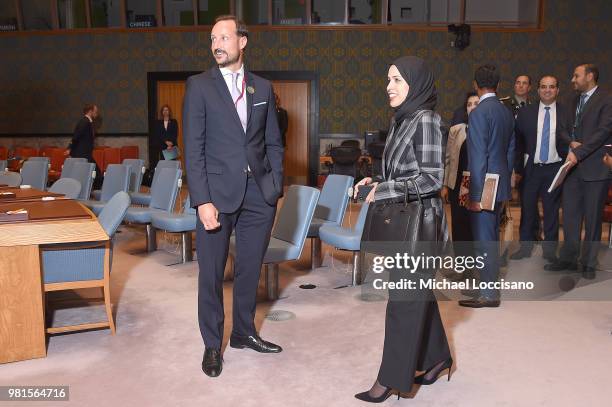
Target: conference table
50, 219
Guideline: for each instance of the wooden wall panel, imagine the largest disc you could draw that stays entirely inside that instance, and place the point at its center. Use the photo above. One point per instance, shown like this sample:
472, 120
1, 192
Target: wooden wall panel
294, 97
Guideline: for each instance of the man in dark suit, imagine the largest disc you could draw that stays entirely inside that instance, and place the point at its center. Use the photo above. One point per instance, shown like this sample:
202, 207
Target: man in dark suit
234, 162
82, 143
536, 129
283, 119
490, 150
586, 186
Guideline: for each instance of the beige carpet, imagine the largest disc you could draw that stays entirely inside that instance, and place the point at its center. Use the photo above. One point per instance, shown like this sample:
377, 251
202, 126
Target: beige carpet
522, 354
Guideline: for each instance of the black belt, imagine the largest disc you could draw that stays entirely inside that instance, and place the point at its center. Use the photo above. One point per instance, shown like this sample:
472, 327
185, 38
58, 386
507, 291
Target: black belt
545, 164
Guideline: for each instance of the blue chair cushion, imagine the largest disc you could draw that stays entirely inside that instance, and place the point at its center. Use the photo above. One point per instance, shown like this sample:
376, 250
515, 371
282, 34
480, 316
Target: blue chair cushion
73, 265
315, 225
95, 206
140, 198
342, 238
174, 222
279, 251
140, 215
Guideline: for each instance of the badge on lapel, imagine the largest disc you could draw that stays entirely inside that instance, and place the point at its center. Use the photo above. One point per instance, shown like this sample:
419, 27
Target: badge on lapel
251, 90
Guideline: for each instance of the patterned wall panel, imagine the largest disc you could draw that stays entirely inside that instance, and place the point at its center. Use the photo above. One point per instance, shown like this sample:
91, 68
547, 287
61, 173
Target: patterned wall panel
46, 79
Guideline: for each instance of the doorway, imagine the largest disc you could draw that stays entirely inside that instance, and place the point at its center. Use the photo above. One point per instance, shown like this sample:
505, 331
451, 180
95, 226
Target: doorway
298, 92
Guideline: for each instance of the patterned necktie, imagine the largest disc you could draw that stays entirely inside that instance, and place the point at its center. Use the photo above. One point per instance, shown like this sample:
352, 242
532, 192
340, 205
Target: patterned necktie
239, 98
578, 114
545, 136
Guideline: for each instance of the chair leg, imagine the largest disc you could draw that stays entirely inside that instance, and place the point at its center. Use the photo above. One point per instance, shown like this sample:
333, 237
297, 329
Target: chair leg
271, 275
610, 236
315, 253
151, 234
358, 259
186, 247
109, 308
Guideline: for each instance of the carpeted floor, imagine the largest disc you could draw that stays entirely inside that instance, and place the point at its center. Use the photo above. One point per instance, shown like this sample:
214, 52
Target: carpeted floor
553, 353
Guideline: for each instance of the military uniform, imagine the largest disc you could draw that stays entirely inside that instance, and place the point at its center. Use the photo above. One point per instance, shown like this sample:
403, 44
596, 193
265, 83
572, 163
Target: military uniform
514, 105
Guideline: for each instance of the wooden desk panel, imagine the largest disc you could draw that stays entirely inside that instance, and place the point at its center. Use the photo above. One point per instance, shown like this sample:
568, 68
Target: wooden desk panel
28, 194
22, 322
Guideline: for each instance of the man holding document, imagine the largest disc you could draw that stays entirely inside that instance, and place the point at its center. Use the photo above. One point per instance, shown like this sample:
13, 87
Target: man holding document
586, 186
491, 159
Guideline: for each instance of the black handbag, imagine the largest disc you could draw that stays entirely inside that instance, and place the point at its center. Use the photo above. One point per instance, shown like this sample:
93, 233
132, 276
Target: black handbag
406, 225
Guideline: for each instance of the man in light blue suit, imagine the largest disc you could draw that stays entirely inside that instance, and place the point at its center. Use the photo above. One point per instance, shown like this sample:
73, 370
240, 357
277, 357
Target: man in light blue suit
490, 150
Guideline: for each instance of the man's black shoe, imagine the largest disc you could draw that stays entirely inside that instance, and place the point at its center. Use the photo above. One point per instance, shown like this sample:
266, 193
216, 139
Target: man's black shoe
561, 266
480, 303
589, 273
254, 342
212, 364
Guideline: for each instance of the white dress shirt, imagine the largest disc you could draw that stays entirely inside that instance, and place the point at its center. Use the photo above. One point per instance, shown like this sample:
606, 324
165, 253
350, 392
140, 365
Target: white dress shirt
553, 156
486, 95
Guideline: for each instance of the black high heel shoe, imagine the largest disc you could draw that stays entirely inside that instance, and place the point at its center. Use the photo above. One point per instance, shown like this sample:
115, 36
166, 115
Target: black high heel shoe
365, 396
448, 364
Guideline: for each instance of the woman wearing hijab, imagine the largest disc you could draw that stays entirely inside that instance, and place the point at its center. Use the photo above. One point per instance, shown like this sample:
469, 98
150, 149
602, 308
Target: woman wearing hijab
414, 334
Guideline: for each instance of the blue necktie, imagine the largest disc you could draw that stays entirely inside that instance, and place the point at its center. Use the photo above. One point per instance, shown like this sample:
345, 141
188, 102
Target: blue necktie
545, 136
578, 114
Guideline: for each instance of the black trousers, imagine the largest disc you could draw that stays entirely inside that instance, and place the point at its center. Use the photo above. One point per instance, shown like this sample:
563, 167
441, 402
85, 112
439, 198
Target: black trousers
253, 223
535, 186
582, 200
414, 337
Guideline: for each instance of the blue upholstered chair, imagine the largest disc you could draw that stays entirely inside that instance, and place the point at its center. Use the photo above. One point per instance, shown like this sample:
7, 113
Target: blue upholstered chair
71, 188
163, 195
35, 173
183, 223
144, 198
85, 265
85, 173
3, 165
68, 166
116, 178
289, 233
348, 239
330, 210
137, 170
12, 179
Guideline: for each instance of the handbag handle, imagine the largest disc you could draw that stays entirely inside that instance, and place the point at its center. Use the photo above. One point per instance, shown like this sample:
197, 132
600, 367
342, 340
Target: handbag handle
416, 187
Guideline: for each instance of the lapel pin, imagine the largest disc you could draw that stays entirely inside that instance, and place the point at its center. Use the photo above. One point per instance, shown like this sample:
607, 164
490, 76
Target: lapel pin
251, 90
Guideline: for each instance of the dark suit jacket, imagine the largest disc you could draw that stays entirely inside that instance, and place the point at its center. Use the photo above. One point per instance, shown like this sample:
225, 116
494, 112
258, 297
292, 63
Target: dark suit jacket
526, 131
594, 130
162, 134
217, 150
491, 147
82, 143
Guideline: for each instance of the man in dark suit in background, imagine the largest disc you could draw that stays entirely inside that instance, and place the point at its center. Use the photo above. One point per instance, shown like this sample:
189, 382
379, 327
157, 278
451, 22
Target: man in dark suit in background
520, 99
82, 143
234, 163
536, 129
283, 119
586, 186
490, 150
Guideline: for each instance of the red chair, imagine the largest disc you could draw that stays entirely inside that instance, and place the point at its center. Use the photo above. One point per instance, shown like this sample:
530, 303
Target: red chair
98, 156
111, 156
57, 158
25, 152
3, 153
129, 152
